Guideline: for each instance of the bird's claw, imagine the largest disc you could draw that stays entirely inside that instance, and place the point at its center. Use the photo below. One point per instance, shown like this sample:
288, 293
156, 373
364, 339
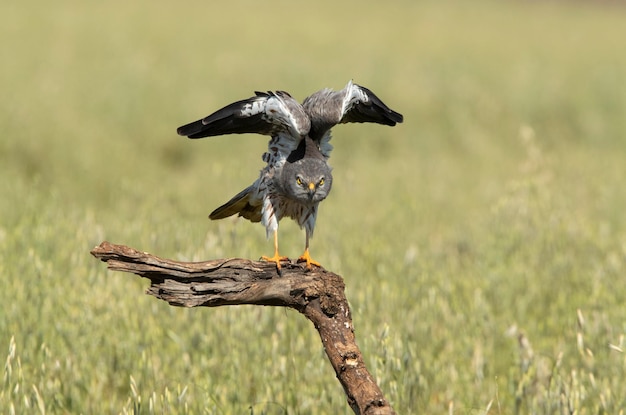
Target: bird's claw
275, 259
306, 257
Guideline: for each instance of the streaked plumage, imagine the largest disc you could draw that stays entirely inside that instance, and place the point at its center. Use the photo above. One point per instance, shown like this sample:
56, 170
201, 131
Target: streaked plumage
297, 176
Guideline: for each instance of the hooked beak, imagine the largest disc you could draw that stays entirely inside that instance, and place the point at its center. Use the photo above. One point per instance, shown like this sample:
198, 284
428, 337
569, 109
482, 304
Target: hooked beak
311, 190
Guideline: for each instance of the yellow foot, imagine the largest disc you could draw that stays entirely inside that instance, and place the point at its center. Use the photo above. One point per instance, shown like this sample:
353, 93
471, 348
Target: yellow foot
306, 257
275, 259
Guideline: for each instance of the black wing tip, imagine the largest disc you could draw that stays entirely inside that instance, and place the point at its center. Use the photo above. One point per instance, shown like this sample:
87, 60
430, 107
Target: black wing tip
192, 130
396, 117
226, 120
391, 117
183, 131
187, 129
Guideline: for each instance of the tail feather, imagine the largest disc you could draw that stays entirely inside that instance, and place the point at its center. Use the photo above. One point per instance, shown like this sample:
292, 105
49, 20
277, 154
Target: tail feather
242, 204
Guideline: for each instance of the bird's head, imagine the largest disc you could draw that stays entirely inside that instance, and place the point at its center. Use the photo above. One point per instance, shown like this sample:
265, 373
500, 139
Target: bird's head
307, 180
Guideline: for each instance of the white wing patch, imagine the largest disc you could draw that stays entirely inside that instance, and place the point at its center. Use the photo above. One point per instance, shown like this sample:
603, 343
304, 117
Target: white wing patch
278, 112
354, 96
255, 107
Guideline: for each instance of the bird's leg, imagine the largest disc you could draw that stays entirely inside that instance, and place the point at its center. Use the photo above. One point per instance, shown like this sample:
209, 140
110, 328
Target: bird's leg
276, 258
306, 256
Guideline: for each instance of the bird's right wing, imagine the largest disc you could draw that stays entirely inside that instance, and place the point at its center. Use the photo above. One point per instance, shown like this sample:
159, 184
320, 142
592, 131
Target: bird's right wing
268, 113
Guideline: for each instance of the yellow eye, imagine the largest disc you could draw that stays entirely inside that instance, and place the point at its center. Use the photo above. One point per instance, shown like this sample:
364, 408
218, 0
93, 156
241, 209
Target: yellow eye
299, 181
321, 182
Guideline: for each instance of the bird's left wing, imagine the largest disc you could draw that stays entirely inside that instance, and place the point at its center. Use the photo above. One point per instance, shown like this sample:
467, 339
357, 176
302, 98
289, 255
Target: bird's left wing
354, 103
267, 113
362, 105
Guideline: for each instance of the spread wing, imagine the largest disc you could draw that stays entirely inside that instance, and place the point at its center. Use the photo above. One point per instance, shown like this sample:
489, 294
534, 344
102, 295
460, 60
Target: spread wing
268, 113
354, 103
362, 105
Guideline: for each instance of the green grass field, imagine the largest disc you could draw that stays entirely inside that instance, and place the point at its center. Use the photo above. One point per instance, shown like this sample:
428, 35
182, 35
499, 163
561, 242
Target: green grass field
483, 241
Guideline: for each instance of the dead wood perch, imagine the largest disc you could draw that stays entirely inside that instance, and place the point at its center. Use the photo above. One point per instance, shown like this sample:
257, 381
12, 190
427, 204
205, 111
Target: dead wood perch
318, 294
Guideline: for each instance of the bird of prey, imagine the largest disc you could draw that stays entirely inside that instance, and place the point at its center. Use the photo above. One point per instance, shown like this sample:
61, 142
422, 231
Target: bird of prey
297, 176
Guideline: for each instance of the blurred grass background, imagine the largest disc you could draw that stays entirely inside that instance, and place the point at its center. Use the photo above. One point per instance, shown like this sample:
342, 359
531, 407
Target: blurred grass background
482, 241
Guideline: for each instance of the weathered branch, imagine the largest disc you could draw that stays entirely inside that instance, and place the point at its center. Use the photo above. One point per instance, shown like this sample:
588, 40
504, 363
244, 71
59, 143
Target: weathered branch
316, 293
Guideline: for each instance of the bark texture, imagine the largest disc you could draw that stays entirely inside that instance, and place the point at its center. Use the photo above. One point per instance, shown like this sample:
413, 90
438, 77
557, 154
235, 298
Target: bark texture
318, 294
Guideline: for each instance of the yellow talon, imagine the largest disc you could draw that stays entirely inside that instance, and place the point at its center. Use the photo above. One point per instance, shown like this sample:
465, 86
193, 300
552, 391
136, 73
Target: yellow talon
276, 258
306, 257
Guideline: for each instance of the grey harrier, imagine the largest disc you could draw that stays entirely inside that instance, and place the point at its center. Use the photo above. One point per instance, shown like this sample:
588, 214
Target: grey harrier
297, 176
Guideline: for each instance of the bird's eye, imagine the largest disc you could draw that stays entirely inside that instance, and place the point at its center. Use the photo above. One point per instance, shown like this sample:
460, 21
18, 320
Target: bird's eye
321, 182
299, 181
